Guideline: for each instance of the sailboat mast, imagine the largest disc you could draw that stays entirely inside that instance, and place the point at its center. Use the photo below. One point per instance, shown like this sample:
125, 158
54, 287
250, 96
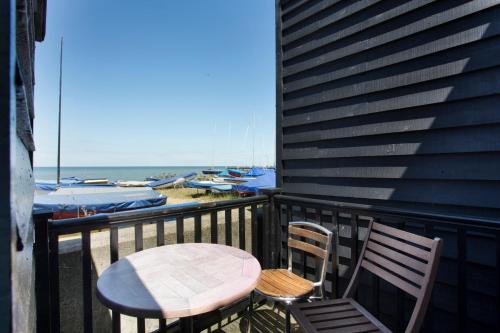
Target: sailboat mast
59, 126
253, 142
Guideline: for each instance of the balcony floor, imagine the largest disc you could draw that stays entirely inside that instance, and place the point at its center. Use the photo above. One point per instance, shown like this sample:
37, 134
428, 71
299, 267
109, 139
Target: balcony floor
265, 319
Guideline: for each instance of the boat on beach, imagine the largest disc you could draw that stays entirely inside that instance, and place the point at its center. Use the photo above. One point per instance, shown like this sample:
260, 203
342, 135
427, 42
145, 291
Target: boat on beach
236, 172
171, 181
208, 185
211, 171
69, 202
133, 183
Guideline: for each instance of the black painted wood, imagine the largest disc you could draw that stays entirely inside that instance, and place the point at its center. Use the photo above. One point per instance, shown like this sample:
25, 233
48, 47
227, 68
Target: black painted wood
42, 272
54, 283
87, 282
160, 233
197, 228
335, 293
462, 280
139, 241
113, 244
228, 225
141, 325
390, 102
213, 227
254, 230
180, 229
241, 226
162, 326
115, 322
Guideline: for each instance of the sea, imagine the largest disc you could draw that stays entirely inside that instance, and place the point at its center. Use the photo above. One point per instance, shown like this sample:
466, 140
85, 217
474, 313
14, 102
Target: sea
116, 173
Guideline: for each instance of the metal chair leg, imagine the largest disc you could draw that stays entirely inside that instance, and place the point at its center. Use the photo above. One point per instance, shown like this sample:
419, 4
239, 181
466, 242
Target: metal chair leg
250, 312
287, 319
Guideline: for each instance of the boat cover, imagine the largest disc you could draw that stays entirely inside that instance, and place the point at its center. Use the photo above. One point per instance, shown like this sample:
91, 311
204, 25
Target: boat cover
96, 199
205, 184
255, 172
224, 173
236, 172
267, 180
170, 180
51, 185
222, 188
211, 171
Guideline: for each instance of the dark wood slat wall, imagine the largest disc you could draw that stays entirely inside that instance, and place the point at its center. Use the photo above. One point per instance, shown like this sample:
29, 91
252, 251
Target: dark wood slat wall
390, 102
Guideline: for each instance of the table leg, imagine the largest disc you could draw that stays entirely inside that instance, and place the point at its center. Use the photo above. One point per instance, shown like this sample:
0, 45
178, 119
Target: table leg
186, 324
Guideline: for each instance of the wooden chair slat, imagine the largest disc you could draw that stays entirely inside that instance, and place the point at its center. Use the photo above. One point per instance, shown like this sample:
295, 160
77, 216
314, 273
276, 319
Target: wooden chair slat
325, 303
394, 268
328, 309
277, 282
290, 278
300, 245
334, 315
342, 322
354, 329
308, 234
398, 245
396, 256
401, 234
393, 279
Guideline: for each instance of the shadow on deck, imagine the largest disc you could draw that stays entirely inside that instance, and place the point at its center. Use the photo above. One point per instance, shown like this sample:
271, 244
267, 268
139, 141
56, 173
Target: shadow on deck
265, 319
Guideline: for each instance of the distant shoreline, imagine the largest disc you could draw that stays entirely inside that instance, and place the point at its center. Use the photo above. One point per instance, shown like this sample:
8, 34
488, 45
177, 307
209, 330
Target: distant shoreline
118, 172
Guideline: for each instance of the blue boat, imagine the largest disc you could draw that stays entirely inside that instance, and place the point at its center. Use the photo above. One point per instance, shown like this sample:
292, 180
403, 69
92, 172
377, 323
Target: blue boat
209, 185
211, 171
68, 202
255, 186
171, 181
236, 172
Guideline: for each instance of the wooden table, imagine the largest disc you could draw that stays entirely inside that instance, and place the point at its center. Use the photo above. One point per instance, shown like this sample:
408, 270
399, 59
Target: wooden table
178, 281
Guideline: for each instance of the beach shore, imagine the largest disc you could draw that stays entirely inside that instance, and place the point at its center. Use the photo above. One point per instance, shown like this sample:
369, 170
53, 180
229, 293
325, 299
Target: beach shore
183, 195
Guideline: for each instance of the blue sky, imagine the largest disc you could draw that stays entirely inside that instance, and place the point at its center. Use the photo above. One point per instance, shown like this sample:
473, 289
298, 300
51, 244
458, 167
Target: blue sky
146, 83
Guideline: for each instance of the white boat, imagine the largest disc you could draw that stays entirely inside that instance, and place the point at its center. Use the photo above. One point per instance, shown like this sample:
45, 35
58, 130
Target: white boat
133, 183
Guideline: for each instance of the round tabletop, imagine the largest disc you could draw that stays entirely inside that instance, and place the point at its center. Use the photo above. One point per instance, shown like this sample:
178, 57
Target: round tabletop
178, 280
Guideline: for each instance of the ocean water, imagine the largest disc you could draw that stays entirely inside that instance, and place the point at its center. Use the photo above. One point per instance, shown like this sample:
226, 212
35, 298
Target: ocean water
114, 173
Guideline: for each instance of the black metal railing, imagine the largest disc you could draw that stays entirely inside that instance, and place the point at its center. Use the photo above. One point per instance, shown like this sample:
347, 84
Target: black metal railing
466, 294
49, 231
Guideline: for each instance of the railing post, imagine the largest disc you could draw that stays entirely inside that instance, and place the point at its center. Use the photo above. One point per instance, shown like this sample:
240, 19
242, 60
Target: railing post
42, 276
270, 230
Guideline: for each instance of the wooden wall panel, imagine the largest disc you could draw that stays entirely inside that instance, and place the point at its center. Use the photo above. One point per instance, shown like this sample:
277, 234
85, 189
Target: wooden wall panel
390, 102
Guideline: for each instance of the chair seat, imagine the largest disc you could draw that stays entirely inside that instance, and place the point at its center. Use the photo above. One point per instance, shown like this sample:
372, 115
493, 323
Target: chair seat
340, 315
281, 283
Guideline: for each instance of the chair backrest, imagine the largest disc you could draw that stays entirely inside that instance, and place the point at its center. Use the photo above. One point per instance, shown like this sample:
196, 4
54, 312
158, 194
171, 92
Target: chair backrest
322, 239
405, 260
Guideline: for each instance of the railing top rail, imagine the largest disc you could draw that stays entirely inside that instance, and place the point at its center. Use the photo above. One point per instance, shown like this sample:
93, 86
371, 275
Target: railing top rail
380, 211
103, 221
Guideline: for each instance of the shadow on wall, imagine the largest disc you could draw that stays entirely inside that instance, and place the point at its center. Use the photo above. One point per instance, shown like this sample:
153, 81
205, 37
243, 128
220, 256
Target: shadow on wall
450, 133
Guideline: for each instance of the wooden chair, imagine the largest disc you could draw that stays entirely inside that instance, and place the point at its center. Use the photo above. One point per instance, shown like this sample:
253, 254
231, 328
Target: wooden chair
403, 259
282, 284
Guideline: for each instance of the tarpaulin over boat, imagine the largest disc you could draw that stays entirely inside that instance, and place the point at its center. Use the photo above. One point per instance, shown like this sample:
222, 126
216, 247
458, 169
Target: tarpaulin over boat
255, 172
52, 185
236, 172
81, 201
166, 182
267, 180
207, 185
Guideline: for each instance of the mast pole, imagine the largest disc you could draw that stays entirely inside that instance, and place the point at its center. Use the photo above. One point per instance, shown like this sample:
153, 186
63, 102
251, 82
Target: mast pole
59, 125
253, 141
